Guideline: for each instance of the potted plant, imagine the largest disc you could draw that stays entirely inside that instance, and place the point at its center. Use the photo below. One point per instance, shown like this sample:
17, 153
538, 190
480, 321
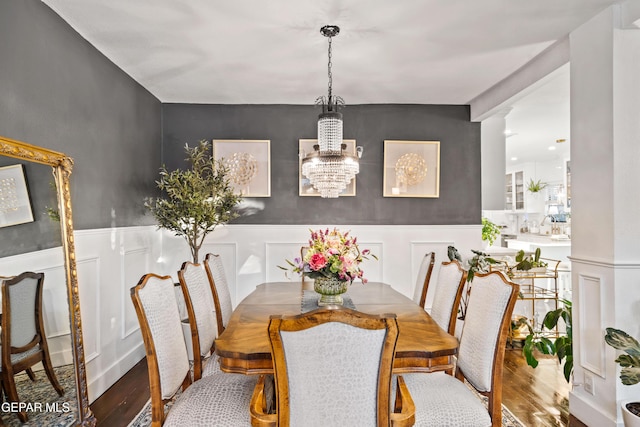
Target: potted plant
539, 341
630, 372
489, 231
536, 186
195, 200
528, 263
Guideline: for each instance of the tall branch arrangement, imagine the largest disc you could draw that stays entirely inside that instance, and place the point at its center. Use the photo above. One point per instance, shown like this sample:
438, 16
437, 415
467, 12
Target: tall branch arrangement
196, 200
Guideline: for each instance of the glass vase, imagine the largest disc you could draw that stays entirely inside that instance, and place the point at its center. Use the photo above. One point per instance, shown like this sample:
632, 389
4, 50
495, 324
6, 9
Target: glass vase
330, 290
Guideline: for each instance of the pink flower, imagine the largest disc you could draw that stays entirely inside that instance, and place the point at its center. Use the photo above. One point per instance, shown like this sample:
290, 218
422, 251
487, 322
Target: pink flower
317, 262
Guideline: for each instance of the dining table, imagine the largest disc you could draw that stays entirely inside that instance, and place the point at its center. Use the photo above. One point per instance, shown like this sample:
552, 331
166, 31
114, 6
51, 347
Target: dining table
244, 347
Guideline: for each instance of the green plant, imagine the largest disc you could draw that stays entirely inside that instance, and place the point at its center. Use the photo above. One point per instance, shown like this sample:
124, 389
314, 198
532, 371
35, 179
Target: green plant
489, 231
630, 361
195, 200
536, 186
53, 213
562, 347
526, 262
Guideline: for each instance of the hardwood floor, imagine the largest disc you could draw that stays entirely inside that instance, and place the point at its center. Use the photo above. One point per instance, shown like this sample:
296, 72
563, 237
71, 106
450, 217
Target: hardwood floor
538, 397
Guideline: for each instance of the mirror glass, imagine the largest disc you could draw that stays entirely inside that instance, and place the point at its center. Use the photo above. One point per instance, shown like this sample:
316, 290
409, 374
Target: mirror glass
43, 245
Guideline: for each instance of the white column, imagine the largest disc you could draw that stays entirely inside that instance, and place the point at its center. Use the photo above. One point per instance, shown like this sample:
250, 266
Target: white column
492, 161
605, 165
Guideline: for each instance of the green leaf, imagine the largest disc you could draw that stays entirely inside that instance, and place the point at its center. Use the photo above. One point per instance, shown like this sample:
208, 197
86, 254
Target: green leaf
544, 345
622, 341
568, 367
527, 350
628, 360
630, 375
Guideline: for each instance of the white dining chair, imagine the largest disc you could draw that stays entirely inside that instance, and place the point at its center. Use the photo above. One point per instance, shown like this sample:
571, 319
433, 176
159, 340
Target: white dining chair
220, 290
447, 294
423, 279
445, 400
220, 399
23, 342
332, 368
198, 299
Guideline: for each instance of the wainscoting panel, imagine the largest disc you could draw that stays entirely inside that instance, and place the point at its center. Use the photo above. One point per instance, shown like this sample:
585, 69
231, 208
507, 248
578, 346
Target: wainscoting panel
90, 307
591, 324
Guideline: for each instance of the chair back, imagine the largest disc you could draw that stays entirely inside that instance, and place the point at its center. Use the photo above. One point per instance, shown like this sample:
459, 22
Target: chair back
484, 334
198, 300
451, 280
157, 309
424, 277
22, 327
23, 339
333, 367
219, 289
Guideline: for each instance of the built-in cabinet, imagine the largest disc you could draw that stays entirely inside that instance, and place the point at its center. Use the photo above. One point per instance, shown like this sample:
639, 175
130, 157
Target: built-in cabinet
514, 191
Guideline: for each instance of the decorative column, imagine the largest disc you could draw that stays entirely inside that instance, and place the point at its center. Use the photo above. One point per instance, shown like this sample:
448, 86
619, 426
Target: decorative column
605, 213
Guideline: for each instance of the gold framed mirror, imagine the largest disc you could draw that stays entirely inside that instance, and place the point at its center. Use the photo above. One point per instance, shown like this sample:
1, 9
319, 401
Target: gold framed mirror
62, 166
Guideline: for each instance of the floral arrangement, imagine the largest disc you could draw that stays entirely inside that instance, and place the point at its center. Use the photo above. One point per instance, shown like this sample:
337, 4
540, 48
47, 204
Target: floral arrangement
331, 254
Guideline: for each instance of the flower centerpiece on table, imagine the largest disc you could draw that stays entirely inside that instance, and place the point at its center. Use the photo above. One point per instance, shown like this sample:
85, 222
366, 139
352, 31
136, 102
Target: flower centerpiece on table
333, 259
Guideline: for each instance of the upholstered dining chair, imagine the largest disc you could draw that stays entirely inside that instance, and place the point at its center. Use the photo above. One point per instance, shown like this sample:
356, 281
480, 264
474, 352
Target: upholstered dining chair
448, 292
446, 400
424, 277
332, 367
198, 300
219, 399
220, 290
23, 341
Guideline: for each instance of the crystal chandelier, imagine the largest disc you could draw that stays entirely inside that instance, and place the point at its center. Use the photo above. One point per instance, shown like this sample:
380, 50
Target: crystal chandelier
329, 168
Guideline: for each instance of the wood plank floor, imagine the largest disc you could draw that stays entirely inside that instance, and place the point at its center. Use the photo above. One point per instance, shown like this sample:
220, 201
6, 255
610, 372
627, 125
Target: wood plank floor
538, 397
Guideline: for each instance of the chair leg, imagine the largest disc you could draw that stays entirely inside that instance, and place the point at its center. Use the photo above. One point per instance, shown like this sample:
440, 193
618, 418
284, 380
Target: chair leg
12, 393
31, 375
48, 368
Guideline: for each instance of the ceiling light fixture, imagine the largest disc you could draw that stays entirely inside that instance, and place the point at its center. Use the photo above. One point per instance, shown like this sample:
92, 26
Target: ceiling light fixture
329, 168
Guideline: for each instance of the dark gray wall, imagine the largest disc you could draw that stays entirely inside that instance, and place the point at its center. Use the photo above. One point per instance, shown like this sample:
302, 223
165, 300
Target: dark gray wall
59, 92
370, 125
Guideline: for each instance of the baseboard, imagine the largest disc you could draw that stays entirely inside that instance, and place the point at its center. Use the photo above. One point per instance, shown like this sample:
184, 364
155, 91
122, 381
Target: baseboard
587, 410
113, 373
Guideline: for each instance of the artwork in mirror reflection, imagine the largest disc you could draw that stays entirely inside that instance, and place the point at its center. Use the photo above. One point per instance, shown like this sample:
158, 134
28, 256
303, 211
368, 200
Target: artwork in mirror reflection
37, 247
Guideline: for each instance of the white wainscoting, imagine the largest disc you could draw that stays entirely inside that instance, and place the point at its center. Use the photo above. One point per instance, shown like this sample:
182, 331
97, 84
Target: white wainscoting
111, 261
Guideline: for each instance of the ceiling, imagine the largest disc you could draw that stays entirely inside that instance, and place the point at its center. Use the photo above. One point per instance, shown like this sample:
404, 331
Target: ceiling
271, 52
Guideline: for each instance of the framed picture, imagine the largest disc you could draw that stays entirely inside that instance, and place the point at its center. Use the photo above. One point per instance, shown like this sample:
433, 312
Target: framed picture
15, 206
249, 163
411, 169
304, 187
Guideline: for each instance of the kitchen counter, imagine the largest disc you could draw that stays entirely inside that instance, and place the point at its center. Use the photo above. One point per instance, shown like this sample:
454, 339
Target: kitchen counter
542, 240
550, 247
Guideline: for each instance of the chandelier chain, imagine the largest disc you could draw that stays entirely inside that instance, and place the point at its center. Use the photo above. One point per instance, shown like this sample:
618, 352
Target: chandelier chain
329, 72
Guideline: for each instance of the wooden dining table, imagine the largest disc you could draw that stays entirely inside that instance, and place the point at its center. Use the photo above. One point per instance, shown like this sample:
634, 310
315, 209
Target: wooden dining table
244, 346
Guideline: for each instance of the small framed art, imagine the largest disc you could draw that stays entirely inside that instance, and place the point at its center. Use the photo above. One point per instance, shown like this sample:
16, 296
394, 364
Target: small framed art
305, 146
15, 206
249, 163
411, 169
